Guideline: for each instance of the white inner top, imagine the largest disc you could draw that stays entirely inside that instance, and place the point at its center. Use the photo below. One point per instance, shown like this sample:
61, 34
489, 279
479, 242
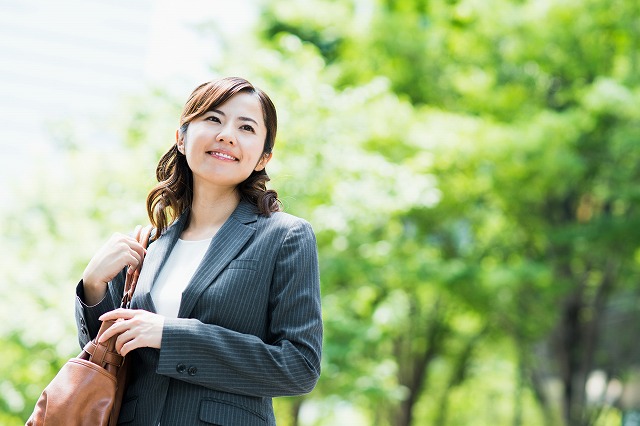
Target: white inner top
176, 274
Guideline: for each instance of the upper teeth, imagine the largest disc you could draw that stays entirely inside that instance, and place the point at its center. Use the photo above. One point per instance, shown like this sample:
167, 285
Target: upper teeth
220, 154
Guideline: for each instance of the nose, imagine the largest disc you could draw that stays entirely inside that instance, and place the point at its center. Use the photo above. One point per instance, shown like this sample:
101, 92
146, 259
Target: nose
226, 135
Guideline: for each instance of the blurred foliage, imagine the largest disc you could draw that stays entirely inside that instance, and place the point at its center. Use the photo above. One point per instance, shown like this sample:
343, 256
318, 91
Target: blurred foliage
470, 169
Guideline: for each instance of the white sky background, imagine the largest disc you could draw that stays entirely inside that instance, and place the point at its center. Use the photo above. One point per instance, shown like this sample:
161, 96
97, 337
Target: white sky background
74, 60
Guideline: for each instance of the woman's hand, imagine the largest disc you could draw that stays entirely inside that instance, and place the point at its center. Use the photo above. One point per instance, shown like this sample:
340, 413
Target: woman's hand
118, 252
136, 328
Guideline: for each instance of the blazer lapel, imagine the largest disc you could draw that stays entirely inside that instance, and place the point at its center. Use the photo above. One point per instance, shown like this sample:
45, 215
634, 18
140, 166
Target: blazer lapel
157, 254
224, 247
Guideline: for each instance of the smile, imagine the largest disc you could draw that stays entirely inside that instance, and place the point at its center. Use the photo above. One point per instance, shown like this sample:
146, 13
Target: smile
222, 155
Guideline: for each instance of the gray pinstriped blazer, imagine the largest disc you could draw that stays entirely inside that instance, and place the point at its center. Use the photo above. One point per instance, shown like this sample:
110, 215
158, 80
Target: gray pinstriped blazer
249, 326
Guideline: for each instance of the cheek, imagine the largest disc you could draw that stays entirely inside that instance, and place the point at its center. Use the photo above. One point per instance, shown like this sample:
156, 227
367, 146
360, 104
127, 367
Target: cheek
251, 149
260, 160
192, 140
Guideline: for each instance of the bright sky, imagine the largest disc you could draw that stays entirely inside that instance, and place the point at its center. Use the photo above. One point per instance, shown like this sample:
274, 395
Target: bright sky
176, 50
75, 59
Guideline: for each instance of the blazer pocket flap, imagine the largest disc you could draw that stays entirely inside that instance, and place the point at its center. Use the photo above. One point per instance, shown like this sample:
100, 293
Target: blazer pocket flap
251, 264
223, 413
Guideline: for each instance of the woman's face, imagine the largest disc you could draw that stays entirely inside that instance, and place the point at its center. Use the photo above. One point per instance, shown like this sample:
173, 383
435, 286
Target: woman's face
225, 145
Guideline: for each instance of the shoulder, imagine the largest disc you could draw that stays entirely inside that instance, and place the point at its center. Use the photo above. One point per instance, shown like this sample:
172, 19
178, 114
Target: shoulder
286, 228
282, 220
277, 224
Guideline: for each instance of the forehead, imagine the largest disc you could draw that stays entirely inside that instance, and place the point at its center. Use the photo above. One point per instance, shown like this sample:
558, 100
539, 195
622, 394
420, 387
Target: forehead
243, 105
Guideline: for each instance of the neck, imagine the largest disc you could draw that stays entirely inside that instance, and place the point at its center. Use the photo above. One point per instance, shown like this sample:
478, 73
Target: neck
209, 210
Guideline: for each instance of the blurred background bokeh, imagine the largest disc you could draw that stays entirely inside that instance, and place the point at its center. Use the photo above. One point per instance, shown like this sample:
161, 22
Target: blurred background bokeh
470, 168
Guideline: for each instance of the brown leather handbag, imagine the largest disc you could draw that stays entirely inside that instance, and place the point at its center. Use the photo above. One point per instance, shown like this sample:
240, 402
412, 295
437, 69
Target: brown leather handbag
88, 389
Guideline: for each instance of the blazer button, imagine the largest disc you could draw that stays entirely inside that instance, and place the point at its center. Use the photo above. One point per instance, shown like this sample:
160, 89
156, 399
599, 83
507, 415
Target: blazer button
192, 371
181, 368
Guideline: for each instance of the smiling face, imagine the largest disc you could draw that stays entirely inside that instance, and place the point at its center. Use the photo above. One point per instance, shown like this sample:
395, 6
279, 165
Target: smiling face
225, 145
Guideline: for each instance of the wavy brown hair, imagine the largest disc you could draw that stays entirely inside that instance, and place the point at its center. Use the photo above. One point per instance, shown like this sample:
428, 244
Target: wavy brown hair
173, 194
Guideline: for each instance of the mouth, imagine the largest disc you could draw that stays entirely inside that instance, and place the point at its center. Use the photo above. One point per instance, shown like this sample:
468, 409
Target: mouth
222, 156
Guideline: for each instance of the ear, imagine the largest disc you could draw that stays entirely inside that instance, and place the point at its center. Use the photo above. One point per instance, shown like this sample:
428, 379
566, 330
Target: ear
263, 161
180, 141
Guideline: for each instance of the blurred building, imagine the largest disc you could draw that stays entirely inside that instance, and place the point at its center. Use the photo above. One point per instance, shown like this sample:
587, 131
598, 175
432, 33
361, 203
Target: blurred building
72, 61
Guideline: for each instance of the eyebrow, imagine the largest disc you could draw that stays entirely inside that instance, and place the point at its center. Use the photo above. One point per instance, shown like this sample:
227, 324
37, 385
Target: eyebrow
217, 111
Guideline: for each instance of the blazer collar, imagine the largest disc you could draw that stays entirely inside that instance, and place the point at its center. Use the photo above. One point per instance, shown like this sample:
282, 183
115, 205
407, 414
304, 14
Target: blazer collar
245, 213
224, 247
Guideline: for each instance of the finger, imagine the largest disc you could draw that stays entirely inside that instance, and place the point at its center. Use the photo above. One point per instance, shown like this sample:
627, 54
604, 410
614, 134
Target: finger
136, 258
128, 347
123, 340
137, 250
117, 314
108, 334
133, 262
123, 242
127, 243
118, 327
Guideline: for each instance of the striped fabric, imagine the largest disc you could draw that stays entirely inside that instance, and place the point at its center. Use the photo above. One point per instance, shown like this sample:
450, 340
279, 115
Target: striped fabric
249, 327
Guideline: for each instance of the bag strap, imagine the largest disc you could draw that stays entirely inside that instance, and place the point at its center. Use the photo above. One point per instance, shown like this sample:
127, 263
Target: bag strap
101, 353
142, 235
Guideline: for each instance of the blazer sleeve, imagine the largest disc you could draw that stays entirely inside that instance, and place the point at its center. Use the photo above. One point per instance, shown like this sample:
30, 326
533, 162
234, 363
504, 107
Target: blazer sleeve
87, 316
226, 360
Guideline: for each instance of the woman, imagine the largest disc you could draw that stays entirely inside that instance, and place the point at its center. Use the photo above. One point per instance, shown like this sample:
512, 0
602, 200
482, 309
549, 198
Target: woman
226, 314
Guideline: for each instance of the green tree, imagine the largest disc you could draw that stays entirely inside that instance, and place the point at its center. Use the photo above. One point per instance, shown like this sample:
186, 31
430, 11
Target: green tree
544, 220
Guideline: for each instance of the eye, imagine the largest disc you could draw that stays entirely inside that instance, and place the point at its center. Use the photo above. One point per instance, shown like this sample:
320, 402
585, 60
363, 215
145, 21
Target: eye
247, 127
212, 118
